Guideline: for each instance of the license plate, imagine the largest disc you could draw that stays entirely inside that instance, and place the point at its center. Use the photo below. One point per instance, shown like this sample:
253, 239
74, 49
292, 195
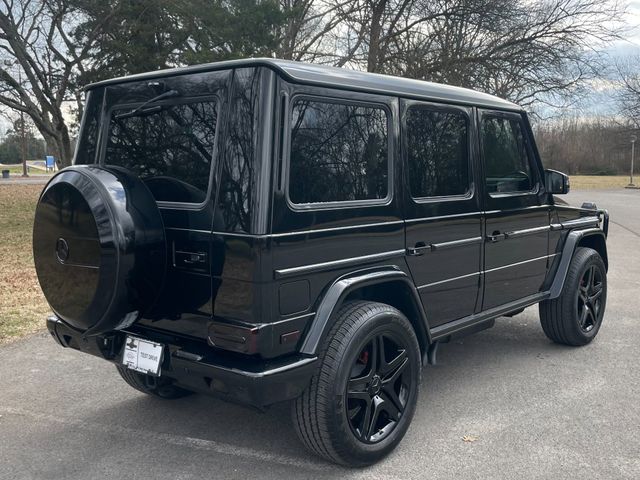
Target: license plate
142, 356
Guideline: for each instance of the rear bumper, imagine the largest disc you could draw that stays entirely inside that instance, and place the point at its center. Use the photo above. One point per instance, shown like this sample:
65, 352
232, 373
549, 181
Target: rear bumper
198, 367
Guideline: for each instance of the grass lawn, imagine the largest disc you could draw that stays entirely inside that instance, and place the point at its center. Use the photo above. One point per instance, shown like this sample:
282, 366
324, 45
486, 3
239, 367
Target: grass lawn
22, 304
13, 169
588, 182
16, 170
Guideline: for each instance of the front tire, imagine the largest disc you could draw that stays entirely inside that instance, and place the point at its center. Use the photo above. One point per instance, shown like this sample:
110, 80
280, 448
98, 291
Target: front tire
363, 396
575, 317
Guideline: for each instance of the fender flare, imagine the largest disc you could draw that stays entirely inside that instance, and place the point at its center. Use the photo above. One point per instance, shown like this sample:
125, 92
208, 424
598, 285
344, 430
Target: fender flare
571, 243
338, 291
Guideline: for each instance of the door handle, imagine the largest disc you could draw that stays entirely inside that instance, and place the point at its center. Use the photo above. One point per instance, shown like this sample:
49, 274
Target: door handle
192, 257
419, 249
496, 236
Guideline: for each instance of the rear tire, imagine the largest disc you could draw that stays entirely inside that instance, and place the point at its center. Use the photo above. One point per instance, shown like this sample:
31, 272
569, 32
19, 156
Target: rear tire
575, 317
156, 386
363, 396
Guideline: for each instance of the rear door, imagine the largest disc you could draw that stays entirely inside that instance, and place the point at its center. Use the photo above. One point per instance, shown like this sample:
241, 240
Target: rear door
167, 132
443, 218
516, 213
172, 145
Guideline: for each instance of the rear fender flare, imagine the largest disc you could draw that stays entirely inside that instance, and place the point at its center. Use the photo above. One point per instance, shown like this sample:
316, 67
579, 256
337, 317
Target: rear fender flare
343, 286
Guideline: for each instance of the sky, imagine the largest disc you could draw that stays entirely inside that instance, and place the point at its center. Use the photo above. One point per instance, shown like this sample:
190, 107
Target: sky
634, 21
629, 47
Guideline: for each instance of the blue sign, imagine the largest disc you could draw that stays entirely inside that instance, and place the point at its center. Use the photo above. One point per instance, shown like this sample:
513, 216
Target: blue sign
51, 162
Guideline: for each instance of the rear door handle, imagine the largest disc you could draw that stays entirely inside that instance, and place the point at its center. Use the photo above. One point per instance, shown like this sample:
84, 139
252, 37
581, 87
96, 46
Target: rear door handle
419, 249
496, 236
192, 257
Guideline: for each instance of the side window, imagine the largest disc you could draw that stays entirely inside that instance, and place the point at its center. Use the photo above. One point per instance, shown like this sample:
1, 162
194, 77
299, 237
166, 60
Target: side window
170, 147
87, 143
507, 166
437, 152
339, 152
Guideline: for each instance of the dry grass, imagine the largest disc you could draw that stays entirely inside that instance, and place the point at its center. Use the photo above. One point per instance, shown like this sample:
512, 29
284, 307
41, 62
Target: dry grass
589, 182
13, 169
22, 304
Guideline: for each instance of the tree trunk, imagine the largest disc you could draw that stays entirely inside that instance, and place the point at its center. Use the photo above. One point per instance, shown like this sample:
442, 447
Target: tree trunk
373, 56
60, 147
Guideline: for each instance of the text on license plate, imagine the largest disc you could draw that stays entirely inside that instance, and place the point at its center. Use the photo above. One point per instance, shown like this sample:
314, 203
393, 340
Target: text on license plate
142, 355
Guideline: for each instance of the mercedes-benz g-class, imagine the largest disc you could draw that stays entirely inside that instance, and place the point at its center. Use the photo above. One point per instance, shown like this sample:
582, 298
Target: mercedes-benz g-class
268, 230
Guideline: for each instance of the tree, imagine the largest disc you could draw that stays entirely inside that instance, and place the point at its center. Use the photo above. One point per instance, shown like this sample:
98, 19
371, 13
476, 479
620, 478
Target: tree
628, 95
145, 35
129, 37
225, 30
526, 51
11, 145
54, 47
584, 145
370, 30
39, 60
309, 29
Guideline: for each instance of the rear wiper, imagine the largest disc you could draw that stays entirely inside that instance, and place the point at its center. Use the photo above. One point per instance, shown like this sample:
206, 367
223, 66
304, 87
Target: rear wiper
140, 109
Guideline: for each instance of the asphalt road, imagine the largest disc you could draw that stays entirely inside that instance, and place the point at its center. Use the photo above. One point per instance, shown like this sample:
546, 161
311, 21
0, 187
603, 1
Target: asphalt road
534, 409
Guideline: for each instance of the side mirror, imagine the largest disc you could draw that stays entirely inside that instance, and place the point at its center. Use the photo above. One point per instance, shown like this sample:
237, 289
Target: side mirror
556, 182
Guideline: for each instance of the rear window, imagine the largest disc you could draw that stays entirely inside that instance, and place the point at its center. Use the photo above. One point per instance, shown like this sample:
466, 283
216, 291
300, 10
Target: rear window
339, 152
168, 144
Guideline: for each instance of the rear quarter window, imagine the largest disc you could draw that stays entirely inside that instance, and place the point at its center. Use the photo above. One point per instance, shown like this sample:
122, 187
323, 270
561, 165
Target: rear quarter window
339, 152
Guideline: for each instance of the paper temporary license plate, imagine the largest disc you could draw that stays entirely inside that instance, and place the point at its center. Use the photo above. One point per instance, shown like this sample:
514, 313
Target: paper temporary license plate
142, 355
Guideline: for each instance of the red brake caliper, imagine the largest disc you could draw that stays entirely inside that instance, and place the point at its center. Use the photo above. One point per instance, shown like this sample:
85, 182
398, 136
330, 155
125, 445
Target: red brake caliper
364, 357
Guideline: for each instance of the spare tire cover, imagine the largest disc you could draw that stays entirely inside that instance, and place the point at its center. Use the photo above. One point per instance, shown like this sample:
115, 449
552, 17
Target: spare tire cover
98, 247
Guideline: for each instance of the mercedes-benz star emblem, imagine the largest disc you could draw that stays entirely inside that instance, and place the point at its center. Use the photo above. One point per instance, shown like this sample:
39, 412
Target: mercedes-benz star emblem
62, 250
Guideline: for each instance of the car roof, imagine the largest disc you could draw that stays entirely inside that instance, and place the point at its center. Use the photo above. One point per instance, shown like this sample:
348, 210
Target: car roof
335, 77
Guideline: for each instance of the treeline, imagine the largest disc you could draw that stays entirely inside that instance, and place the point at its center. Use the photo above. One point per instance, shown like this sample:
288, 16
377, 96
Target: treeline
12, 142
522, 50
579, 146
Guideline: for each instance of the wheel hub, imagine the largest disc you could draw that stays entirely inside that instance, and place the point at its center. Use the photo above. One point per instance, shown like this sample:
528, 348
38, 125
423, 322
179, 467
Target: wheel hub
375, 386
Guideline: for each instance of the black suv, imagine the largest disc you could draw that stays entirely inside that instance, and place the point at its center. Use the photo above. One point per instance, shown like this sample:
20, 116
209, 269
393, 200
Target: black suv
267, 230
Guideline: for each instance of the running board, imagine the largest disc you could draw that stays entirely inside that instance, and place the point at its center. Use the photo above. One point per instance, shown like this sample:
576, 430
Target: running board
459, 326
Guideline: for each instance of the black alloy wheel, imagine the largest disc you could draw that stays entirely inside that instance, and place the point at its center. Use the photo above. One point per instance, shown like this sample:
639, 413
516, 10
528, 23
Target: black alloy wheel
363, 395
590, 298
575, 317
378, 388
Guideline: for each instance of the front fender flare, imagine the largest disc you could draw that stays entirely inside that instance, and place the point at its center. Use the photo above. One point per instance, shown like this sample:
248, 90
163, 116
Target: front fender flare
338, 291
571, 243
